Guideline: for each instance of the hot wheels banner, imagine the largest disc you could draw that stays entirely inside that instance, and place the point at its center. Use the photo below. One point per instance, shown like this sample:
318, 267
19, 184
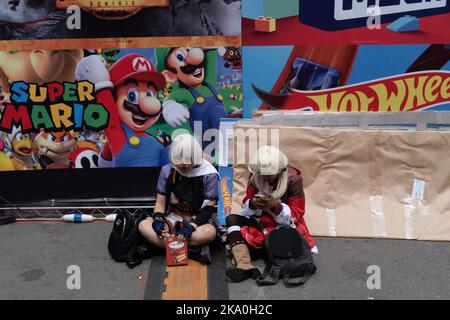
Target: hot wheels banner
349, 78
111, 108
415, 91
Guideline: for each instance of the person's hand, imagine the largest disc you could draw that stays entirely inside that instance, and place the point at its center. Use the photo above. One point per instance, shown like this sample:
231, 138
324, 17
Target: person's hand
165, 233
186, 230
264, 202
270, 202
160, 227
180, 238
194, 225
257, 202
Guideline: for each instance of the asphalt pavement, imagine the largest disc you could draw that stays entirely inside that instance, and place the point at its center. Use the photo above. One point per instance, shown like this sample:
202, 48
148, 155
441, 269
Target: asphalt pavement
40, 260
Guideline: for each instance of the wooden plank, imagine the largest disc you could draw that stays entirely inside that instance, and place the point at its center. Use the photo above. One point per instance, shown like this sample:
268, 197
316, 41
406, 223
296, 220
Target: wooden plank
121, 43
187, 282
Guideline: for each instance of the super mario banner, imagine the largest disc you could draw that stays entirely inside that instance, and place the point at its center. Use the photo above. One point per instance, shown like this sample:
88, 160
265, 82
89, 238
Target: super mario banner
111, 108
348, 78
143, 22
307, 22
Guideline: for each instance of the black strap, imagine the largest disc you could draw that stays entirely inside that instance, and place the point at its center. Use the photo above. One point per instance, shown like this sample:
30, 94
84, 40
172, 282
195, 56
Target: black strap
169, 186
204, 215
291, 283
274, 272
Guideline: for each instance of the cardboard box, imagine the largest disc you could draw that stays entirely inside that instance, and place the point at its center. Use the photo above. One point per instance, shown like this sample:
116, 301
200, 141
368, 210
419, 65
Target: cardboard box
265, 24
361, 182
176, 252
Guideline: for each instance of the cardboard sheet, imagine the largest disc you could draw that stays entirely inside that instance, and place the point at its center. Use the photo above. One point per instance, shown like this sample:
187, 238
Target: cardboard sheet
362, 183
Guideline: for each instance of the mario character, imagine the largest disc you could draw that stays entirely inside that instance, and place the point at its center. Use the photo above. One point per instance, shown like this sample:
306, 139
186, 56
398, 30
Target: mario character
129, 92
84, 158
54, 149
194, 69
20, 149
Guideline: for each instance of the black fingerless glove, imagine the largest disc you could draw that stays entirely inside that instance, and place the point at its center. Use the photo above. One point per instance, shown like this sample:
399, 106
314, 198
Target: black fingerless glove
158, 222
185, 230
204, 215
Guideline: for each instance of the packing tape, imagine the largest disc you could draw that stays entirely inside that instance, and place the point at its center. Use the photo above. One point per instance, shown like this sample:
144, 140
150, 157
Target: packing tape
423, 210
331, 214
409, 212
414, 205
379, 222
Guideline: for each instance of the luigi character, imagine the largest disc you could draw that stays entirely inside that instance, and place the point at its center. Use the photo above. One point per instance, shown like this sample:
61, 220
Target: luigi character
195, 99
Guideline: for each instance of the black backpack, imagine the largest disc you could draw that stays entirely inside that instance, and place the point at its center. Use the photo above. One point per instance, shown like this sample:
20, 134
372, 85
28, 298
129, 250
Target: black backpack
289, 258
125, 239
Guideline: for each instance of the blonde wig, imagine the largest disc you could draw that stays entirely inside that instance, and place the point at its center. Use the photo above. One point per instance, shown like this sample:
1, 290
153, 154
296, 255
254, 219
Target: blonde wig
269, 161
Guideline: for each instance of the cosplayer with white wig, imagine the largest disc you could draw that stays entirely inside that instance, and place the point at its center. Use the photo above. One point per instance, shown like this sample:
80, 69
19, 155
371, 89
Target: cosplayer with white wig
267, 165
274, 197
187, 192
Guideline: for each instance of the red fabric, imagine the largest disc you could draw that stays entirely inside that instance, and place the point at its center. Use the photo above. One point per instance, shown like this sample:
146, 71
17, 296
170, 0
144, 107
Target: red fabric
114, 132
297, 206
251, 191
253, 237
106, 152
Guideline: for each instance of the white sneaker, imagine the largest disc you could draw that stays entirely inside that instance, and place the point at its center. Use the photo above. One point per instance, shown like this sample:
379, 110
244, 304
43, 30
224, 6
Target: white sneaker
315, 250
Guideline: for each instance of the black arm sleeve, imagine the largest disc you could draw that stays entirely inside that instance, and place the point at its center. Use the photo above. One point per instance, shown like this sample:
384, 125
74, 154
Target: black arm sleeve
204, 215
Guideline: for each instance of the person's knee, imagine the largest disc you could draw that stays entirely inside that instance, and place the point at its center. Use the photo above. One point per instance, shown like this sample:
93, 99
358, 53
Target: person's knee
145, 227
210, 233
205, 233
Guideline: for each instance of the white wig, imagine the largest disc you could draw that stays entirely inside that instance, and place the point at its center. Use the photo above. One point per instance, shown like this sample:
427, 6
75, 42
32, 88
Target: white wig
185, 149
269, 161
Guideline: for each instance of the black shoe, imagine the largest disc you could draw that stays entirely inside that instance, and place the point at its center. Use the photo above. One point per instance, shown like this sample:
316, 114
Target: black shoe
146, 251
200, 254
133, 264
238, 275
